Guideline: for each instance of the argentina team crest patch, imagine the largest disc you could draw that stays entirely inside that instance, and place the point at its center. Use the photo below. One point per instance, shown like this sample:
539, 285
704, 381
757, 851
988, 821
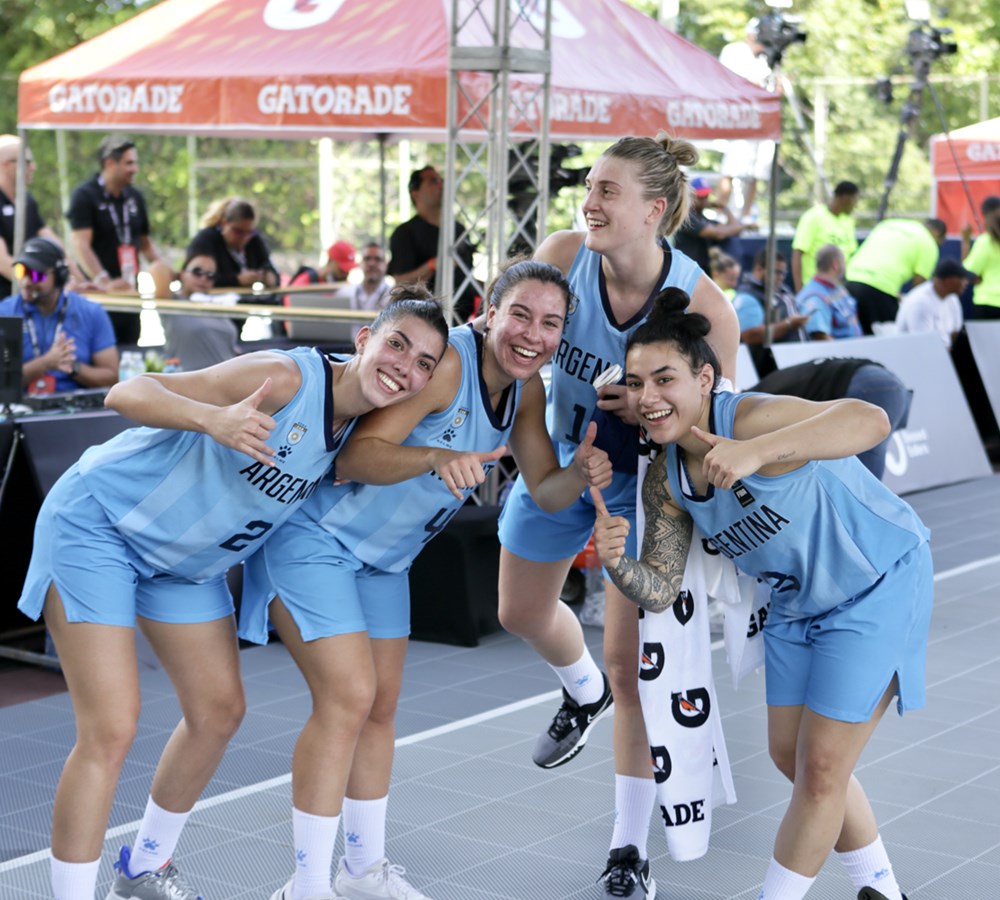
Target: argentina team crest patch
457, 421
294, 436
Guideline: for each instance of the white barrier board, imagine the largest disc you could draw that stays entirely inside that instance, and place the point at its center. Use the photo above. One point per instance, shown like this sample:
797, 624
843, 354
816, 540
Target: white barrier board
984, 338
746, 371
940, 444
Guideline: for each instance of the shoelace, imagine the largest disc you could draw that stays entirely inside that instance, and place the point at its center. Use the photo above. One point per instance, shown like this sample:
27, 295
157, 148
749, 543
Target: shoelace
394, 877
171, 877
563, 723
619, 877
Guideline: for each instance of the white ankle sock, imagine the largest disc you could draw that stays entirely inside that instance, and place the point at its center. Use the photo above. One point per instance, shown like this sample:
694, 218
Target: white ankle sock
583, 680
157, 838
74, 881
784, 884
364, 833
315, 837
870, 867
634, 801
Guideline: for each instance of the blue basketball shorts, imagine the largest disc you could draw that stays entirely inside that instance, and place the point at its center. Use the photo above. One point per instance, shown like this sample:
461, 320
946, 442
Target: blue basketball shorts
325, 588
839, 663
99, 576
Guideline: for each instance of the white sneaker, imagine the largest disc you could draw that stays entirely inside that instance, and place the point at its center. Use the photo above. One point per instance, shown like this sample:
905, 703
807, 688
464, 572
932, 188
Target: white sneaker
285, 893
378, 882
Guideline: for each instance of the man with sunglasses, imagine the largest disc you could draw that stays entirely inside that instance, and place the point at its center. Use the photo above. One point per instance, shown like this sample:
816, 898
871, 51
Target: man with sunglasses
10, 147
196, 342
69, 343
111, 227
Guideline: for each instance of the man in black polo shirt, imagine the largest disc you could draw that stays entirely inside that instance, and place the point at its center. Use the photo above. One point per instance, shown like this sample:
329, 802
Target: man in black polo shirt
413, 246
111, 227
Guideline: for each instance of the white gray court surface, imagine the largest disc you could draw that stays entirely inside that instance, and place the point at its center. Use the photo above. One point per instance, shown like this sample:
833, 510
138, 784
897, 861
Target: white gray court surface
470, 816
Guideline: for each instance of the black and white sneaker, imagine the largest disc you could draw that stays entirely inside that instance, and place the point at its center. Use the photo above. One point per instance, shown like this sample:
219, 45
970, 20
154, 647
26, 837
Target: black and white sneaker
627, 875
871, 894
569, 729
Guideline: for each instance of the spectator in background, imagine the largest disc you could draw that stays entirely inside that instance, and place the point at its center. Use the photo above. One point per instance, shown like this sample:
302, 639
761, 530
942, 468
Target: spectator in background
10, 146
373, 291
196, 342
413, 246
69, 343
832, 312
983, 261
111, 227
749, 303
825, 223
725, 272
934, 305
895, 252
341, 259
699, 233
746, 161
839, 377
230, 237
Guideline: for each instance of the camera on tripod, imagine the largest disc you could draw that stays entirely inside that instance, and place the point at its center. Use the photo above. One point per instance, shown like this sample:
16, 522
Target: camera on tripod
927, 43
521, 183
775, 33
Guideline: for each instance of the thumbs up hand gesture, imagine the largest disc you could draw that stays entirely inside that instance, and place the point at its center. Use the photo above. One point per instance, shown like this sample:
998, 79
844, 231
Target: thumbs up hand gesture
610, 532
244, 427
591, 462
727, 461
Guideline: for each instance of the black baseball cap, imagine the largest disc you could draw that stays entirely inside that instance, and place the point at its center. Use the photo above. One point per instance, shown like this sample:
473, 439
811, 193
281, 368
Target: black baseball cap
40, 254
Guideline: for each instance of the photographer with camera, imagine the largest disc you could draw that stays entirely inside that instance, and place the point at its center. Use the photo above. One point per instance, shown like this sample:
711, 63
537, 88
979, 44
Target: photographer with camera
746, 161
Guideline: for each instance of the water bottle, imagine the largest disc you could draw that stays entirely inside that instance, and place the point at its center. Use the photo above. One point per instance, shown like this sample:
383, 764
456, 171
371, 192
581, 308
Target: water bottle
131, 364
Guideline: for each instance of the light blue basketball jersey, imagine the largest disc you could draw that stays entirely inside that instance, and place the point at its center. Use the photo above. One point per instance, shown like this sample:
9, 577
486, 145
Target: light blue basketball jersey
386, 526
592, 341
193, 508
818, 535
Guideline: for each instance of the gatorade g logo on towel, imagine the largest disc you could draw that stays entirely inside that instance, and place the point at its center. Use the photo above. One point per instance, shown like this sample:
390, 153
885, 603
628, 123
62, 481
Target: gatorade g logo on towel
683, 607
564, 23
691, 709
662, 766
651, 662
292, 15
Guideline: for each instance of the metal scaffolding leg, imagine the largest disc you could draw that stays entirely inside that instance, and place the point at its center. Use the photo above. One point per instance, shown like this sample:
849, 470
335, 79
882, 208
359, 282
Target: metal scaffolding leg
498, 130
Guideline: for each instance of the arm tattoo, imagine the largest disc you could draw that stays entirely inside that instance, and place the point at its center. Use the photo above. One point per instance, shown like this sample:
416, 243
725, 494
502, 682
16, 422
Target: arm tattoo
654, 582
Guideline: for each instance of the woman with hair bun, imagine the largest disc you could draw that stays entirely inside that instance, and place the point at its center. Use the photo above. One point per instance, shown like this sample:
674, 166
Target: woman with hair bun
229, 235
775, 481
637, 194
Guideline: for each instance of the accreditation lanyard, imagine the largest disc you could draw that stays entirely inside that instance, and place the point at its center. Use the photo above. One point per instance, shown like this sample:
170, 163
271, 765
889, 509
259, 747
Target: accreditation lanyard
32, 332
123, 227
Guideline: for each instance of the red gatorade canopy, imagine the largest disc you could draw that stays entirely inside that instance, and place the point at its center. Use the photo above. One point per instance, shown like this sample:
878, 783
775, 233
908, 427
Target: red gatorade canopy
356, 68
974, 153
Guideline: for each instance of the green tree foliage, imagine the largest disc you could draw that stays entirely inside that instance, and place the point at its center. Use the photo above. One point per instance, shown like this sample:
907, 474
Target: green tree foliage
860, 39
865, 39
